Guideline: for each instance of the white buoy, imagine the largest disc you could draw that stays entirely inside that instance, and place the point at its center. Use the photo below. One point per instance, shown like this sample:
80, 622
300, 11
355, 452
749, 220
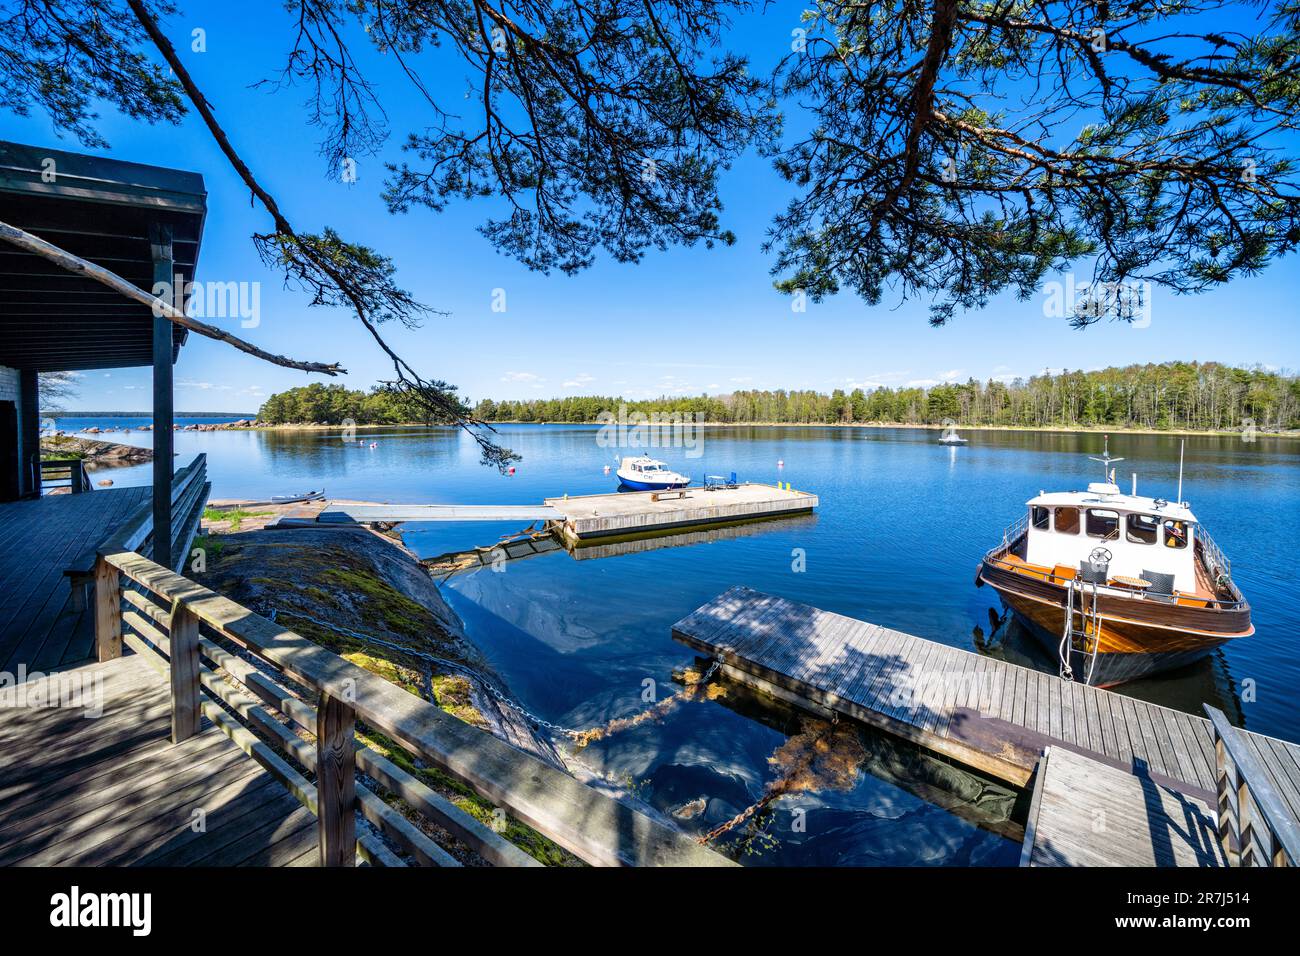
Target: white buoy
607, 469
780, 463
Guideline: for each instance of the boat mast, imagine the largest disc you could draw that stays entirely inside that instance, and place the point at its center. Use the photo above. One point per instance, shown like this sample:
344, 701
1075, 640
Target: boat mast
1106, 462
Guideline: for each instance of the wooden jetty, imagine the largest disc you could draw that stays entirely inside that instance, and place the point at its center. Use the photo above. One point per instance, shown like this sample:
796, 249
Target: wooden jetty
582, 518
588, 517
1088, 813
997, 717
348, 512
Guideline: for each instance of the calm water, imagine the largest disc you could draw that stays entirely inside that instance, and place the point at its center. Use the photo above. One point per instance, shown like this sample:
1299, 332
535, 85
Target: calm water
902, 524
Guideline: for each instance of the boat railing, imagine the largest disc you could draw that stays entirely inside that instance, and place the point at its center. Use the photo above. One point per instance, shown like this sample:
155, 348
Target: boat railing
1215, 561
996, 557
1255, 827
1011, 534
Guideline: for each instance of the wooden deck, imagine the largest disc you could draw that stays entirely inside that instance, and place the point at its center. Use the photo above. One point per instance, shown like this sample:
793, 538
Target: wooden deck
112, 790
1086, 813
989, 714
39, 625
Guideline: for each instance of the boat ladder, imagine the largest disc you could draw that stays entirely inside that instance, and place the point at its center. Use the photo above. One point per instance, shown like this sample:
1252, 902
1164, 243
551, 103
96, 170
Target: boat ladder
1080, 607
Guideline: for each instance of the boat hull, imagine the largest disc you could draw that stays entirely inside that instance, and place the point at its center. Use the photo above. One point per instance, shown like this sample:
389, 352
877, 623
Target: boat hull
1136, 637
638, 485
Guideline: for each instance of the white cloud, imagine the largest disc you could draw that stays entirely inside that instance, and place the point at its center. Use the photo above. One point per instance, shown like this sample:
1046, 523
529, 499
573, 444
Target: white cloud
522, 377
578, 381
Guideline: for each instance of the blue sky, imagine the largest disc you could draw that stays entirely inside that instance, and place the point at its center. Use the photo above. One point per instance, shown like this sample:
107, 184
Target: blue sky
680, 322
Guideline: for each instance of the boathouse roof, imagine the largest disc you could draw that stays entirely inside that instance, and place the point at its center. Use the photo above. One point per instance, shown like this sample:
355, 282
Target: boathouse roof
102, 210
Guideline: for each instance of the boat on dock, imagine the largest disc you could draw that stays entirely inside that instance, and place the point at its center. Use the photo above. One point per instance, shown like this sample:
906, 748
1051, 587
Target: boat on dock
296, 497
642, 473
1118, 586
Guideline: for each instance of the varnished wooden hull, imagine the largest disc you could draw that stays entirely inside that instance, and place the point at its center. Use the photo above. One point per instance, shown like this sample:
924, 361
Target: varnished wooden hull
1137, 637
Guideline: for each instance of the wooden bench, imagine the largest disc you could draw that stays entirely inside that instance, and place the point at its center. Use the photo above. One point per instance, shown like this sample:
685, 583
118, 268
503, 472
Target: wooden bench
669, 493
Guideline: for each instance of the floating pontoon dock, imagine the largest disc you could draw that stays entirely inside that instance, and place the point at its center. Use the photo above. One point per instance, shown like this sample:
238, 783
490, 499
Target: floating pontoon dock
1002, 719
633, 513
345, 512
603, 516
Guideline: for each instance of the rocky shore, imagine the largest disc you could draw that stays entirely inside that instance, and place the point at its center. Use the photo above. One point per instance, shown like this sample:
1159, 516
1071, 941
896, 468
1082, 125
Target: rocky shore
95, 453
367, 598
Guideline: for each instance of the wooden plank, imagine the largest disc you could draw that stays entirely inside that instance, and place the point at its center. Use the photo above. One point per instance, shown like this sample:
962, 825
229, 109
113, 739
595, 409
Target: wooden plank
108, 613
227, 823
336, 776
183, 653
1092, 814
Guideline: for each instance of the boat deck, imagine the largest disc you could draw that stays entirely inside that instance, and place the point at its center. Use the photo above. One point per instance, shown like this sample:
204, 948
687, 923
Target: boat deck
1086, 813
1061, 574
112, 790
40, 625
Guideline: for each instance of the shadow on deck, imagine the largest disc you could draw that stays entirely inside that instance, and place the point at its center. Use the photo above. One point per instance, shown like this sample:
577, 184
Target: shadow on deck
93, 780
42, 627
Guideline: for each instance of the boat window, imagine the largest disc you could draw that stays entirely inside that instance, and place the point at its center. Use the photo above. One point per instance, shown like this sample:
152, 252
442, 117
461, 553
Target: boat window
1142, 529
1102, 524
1067, 520
1175, 534
1039, 516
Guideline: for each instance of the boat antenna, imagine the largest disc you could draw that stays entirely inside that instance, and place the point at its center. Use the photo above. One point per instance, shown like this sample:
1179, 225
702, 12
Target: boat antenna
1182, 445
1106, 462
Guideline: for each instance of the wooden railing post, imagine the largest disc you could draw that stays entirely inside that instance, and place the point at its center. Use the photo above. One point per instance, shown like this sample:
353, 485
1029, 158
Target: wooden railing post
183, 636
336, 782
108, 611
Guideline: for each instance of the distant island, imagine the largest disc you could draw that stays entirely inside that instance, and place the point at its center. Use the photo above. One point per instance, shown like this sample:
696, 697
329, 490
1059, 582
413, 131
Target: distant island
1170, 396
145, 414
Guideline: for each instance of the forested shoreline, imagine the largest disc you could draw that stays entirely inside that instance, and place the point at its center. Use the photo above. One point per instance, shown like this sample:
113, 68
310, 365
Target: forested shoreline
1187, 396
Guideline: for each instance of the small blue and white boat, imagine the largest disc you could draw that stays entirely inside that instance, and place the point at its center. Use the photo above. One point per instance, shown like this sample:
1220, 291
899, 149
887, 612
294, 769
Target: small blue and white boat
649, 474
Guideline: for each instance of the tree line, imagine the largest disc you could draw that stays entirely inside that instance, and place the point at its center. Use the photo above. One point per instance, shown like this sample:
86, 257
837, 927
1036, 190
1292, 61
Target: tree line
318, 404
1171, 395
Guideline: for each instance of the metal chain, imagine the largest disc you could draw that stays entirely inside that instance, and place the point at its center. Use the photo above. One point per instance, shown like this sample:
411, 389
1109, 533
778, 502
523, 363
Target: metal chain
498, 694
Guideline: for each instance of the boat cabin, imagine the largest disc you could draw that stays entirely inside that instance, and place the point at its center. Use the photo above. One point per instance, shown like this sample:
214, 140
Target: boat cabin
650, 467
1141, 534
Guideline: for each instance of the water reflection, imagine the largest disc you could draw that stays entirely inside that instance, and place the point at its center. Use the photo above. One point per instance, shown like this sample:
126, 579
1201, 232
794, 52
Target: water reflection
902, 524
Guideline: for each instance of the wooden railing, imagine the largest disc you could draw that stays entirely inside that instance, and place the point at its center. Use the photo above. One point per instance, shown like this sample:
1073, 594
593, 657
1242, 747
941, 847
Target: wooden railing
236, 668
190, 489
1255, 826
64, 473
